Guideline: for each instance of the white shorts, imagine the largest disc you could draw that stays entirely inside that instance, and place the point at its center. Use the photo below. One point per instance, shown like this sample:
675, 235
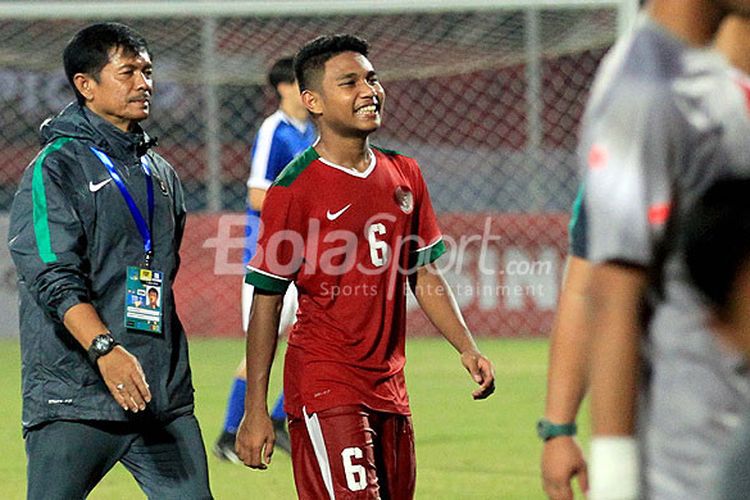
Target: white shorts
288, 310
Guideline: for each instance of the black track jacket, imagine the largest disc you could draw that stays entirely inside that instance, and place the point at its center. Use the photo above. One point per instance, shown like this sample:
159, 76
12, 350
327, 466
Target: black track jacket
72, 237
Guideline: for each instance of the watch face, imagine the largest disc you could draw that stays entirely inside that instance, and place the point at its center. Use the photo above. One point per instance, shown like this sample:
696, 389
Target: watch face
102, 343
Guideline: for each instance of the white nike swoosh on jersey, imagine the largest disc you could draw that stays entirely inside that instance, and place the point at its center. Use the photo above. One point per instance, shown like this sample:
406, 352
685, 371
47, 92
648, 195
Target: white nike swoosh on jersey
96, 187
336, 215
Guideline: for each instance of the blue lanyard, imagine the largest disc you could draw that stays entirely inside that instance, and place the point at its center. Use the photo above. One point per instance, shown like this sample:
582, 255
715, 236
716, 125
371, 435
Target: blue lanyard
143, 227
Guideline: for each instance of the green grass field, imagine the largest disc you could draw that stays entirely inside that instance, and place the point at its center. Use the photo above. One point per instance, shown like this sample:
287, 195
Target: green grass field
465, 449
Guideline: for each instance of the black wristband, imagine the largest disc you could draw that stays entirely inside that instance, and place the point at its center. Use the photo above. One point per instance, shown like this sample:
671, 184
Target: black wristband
101, 345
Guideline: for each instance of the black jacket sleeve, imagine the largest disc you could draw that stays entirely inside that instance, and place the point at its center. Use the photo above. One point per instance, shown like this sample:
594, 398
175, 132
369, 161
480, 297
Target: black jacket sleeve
46, 237
180, 212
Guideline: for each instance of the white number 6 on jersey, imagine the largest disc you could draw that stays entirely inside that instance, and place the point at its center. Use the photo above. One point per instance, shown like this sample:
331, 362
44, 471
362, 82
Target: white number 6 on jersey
378, 248
356, 475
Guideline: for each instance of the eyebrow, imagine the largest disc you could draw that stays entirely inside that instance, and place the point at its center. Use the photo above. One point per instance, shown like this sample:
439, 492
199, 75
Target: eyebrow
355, 75
129, 66
348, 75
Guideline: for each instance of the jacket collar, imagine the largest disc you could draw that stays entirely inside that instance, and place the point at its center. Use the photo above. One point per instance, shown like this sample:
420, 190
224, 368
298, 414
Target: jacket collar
118, 143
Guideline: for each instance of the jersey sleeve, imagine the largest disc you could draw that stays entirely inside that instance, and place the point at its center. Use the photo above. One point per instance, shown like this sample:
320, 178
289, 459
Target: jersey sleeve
428, 243
629, 150
280, 251
269, 157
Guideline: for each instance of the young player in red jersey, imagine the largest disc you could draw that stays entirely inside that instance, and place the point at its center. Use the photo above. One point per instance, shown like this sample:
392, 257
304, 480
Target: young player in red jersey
349, 224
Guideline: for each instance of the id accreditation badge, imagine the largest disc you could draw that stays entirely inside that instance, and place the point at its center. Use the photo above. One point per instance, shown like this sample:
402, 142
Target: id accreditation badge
143, 297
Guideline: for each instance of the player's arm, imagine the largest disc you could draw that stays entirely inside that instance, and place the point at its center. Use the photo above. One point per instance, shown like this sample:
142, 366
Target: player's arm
629, 148
616, 299
562, 457
255, 436
256, 197
437, 301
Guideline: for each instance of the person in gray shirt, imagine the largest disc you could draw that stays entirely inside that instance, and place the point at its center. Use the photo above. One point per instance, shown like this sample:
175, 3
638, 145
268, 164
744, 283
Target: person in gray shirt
717, 252
664, 119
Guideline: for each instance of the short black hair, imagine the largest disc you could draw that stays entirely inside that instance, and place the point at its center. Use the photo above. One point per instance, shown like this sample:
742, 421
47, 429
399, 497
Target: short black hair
311, 58
282, 71
717, 239
89, 49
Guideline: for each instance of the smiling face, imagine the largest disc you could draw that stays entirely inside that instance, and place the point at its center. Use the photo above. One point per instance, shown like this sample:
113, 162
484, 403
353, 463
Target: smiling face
121, 94
348, 98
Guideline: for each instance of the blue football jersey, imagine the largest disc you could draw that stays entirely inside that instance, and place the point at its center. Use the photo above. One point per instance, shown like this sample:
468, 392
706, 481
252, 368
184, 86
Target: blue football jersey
279, 140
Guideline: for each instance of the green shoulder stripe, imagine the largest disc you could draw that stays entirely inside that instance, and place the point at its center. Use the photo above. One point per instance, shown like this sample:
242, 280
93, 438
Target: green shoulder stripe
576, 211
295, 167
266, 282
39, 203
390, 151
428, 255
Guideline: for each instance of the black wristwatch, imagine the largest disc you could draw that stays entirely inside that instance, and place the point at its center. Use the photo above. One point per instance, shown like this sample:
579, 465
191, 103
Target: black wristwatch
546, 430
101, 345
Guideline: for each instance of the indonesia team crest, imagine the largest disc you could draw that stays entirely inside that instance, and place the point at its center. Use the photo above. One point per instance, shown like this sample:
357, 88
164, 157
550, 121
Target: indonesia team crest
404, 199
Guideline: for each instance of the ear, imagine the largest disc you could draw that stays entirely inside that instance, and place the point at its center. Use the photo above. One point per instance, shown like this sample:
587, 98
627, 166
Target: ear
84, 84
312, 101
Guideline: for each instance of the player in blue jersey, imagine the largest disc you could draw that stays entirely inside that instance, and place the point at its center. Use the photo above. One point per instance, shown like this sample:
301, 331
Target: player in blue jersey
281, 137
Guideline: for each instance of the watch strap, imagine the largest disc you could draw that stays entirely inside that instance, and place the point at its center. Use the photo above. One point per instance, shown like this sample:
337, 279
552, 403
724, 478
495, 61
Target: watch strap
547, 430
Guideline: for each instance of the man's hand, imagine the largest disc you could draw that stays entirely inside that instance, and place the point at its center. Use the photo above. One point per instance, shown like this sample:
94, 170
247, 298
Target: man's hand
562, 460
481, 371
125, 379
255, 440
120, 370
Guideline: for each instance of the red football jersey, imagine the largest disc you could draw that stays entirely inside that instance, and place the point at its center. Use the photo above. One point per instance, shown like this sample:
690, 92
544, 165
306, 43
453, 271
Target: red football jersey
347, 240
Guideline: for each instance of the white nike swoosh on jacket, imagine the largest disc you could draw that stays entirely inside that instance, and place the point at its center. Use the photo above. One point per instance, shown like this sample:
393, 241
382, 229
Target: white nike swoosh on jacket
96, 187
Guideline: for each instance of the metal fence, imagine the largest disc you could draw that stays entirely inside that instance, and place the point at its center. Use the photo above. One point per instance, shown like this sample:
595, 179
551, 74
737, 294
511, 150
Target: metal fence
487, 96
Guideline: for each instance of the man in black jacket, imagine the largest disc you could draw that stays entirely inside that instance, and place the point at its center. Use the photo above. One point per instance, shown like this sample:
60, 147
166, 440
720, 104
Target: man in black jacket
95, 225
